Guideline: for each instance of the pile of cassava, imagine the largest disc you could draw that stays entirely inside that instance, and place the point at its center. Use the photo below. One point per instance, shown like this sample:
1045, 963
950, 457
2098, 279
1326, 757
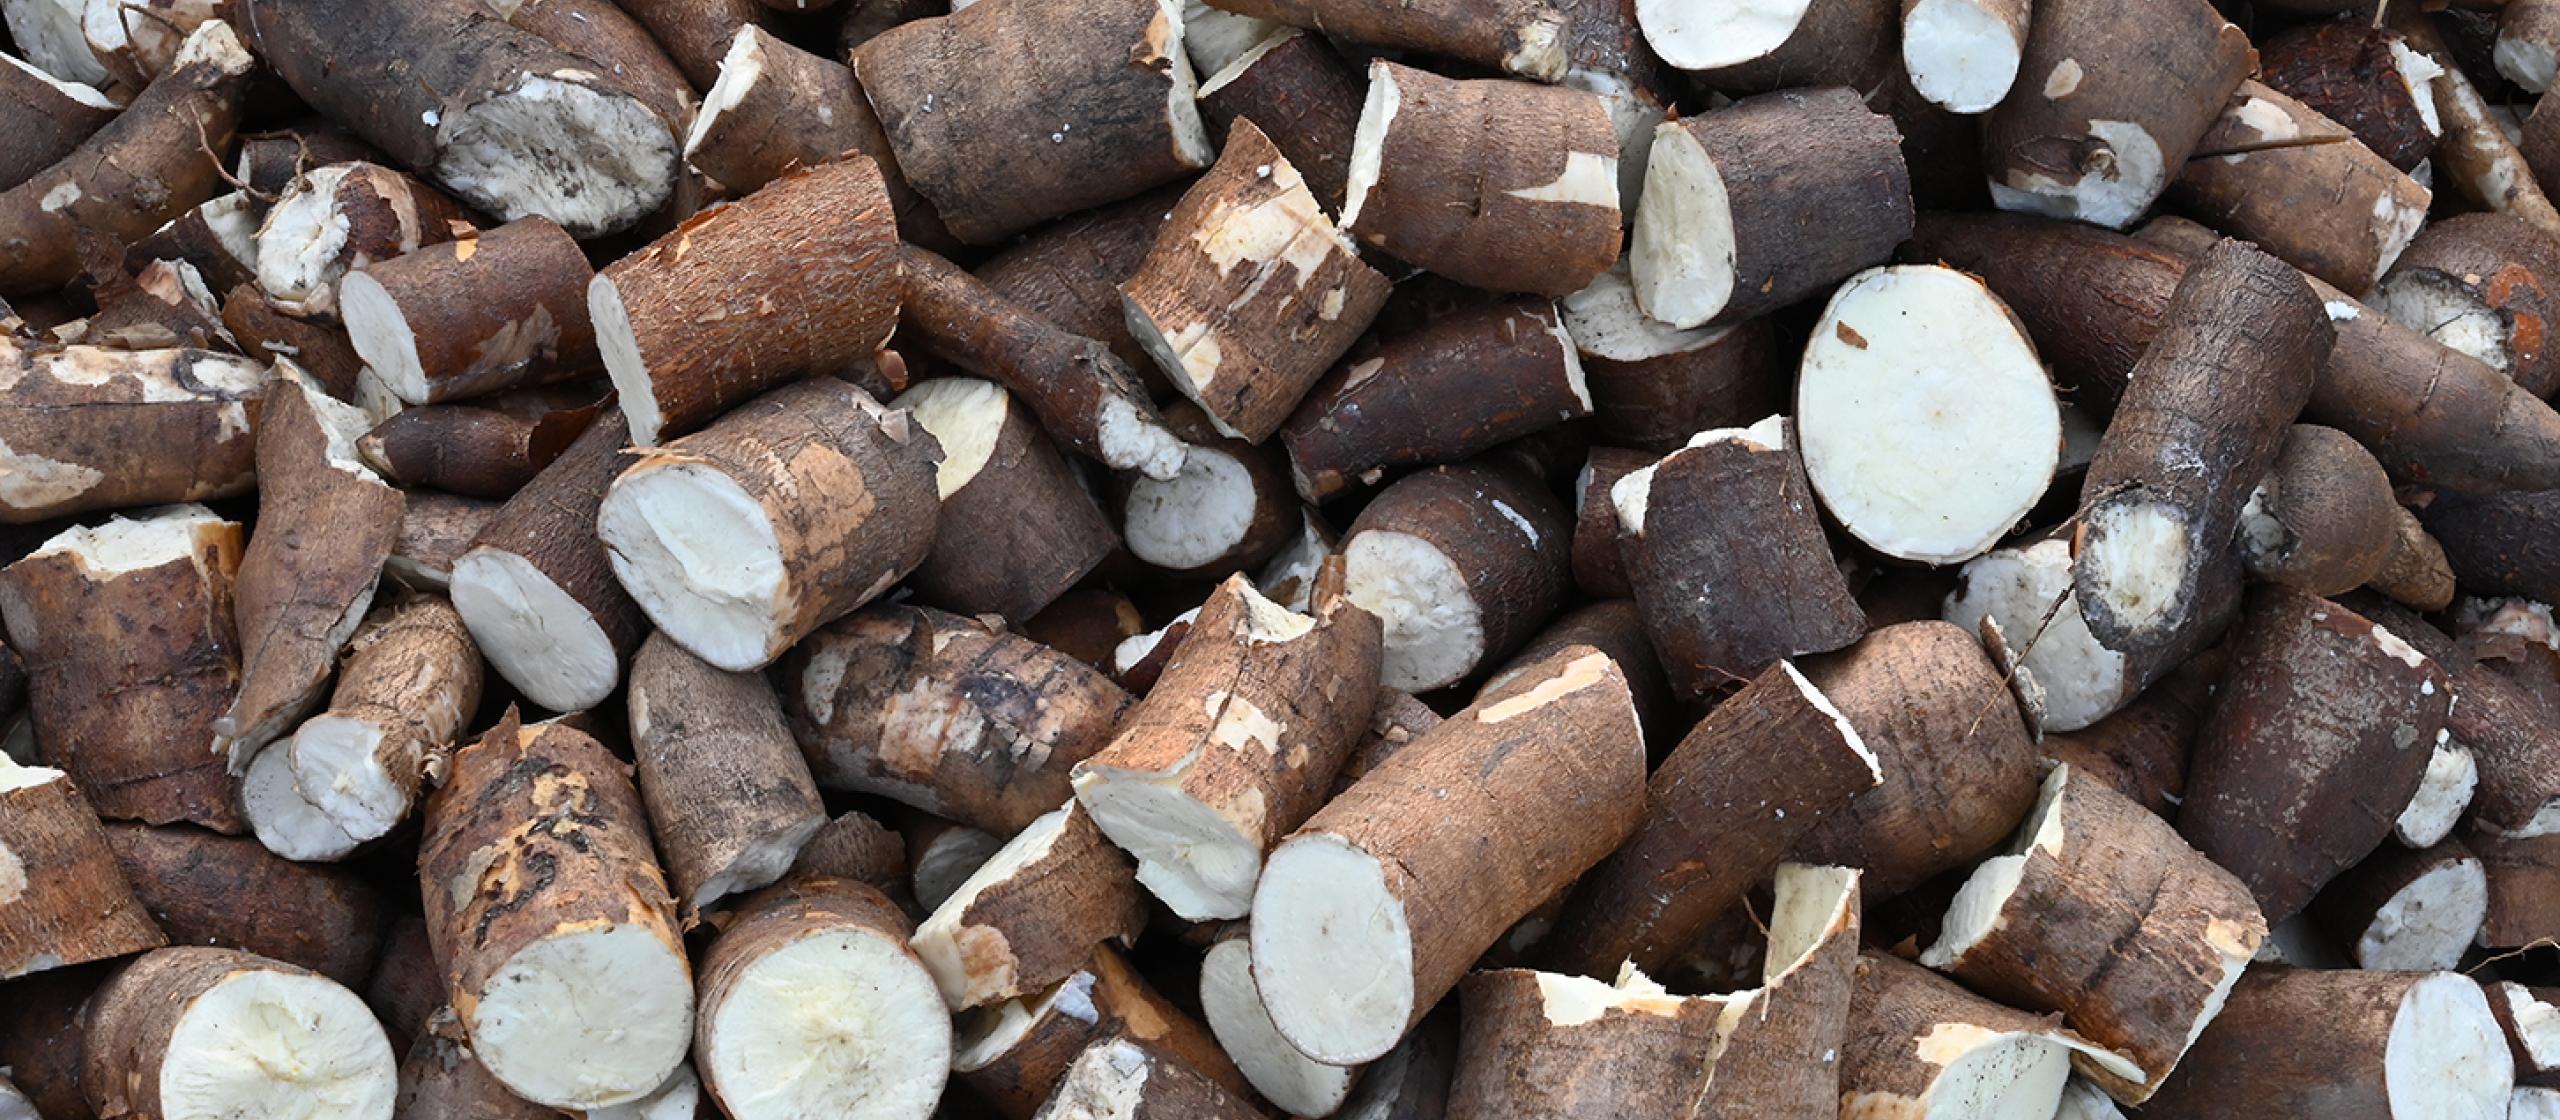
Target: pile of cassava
1381, 559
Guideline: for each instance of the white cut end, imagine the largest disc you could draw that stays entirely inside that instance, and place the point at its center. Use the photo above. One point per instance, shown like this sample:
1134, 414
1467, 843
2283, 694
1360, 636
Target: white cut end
1961, 55
1218, 40
1332, 951
132, 544
699, 555
2112, 192
542, 640
2441, 307
1987, 1075
1232, 1003
2137, 554
1812, 901
1711, 34
14, 1105
954, 855
334, 763
2537, 1026
759, 864
1128, 440
2083, 681
1193, 857
588, 1017
286, 819
1606, 323
679, 1099
966, 968
301, 244
1369, 141
2429, 923
1434, 628
2394, 225
2529, 1103
2453, 774
1633, 115
1980, 905
2447, 1059
2419, 73
381, 335
2525, 62
78, 92
633, 391
1107, 1081
740, 69
1682, 254
1927, 423
1191, 144
964, 415
272, 1044
1135, 648
841, 1022
2084, 1101
1194, 519
50, 35
591, 159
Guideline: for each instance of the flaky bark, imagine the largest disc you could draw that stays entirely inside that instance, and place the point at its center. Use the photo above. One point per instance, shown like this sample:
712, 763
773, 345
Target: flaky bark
727, 792
205, 889
89, 428
1297, 88
70, 902
2352, 72
1542, 1046
1033, 913
476, 314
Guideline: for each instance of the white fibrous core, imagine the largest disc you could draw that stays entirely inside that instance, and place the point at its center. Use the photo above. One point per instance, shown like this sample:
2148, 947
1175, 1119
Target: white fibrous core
740, 69
842, 1022
1193, 519
591, 159
2419, 73
301, 244
1682, 254
1959, 54
2445, 309
1434, 628
963, 414
132, 544
2111, 193
2429, 923
277, 1046
2446, 1056
1369, 141
588, 1017
699, 555
2138, 550
965, 967
534, 633
1232, 1003
1605, 322
1332, 950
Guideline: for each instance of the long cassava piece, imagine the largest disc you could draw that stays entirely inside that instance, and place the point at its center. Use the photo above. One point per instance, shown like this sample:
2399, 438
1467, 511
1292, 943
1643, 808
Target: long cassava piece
1256, 559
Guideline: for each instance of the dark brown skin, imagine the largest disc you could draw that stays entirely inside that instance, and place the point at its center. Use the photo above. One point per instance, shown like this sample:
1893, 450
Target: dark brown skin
440, 1080
2256, 1055
495, 309
266, 333
1068, 273
1838, 43
1302, 94
1015, 1082
2141, 750
44, 124
230, 891
1516, 583
695, 33
41, 1034
1598, 568
1018, 533
2500, 544
270, 161
1656, 404
405, 988
2343, 69
550, 522
488, 448
2335, 512
855, 846
2274, 172
1158, 1088
2347, 907
1514, 1061
2524, 879
716, 767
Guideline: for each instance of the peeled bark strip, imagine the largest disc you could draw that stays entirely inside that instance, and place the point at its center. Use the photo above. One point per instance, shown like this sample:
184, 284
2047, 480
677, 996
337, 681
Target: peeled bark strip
2093, 133
1250, 292
1012, 1054
727, 792
799, 277
1778, 1046
796, 509
325, 525
1294, 86
2102, 914
1959, 770
1721, 234
537, 589
1230, 508
1017, 529
2321, 733
2363, 77
2241, 344
1502, 185
2531, 1019
2404, 909
352, 774
1544, 1046
1464, 383
68, 902
1526, 38
127, 634
946, 714
1378, 905
206, 889
1461, 564
2324, 521
2253, 176
1963, 55
475, 315
2390, 1046
217, 1032
2479, 164
1032, 914
2483, 284
46, 117
1722, 811
1235, 746
1085, 395
1921, 1046
86, 428
559, 944
1116, 1079
812, 1005
1012, 114
486, 448
498, 116
1725, 552
1937, 463
1653, 385
157, 160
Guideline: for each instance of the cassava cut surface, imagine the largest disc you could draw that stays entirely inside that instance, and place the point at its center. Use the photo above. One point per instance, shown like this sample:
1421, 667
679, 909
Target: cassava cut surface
2390, 1046
1376, 907
1778, 1045
2409, 909
47, 117
1250, 292
1724, 550
1231, 1000
86, 428
777, 107
1017, 528
130, 652
1033, 913
1461, 564
1230, 507
1236, 744
2320, 734
1921, 1046
2483, 284
2101, 913
793, 510
1505, 185
557, 940
218, 1032
1012, 1054
1545, 1046
498, 116
946, 713
1007, 115
341, 217
797, 278
480, 313
1522, 37
1722, 810
1116, 1079
66, 901
728, 795
2204, 417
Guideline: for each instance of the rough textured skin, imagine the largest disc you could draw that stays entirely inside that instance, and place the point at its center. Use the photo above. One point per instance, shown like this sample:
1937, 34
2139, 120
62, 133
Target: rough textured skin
2476, 161
1303, 94
801, 111
1517, 579
1015, 1081
1524, 37
1019, 533
1780, 1051
1068, 273
44, 124
605, 33
1041, 923
2274, 171
441, 1080
2316, 741
1648, 1058
230, 891
1655, 404
971, 101
89, 428
857, 847
2339, 522
2524, 874
551, 524
695, 33
1722, 810
2258, 1056
2141, 750
267, 334
71, 903
1117, 1079
126, 675
1599, 569
496, 309
2343, 70
946, 714
2512, 269
486, 448
1901, 1017
717, 768
1611, 626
